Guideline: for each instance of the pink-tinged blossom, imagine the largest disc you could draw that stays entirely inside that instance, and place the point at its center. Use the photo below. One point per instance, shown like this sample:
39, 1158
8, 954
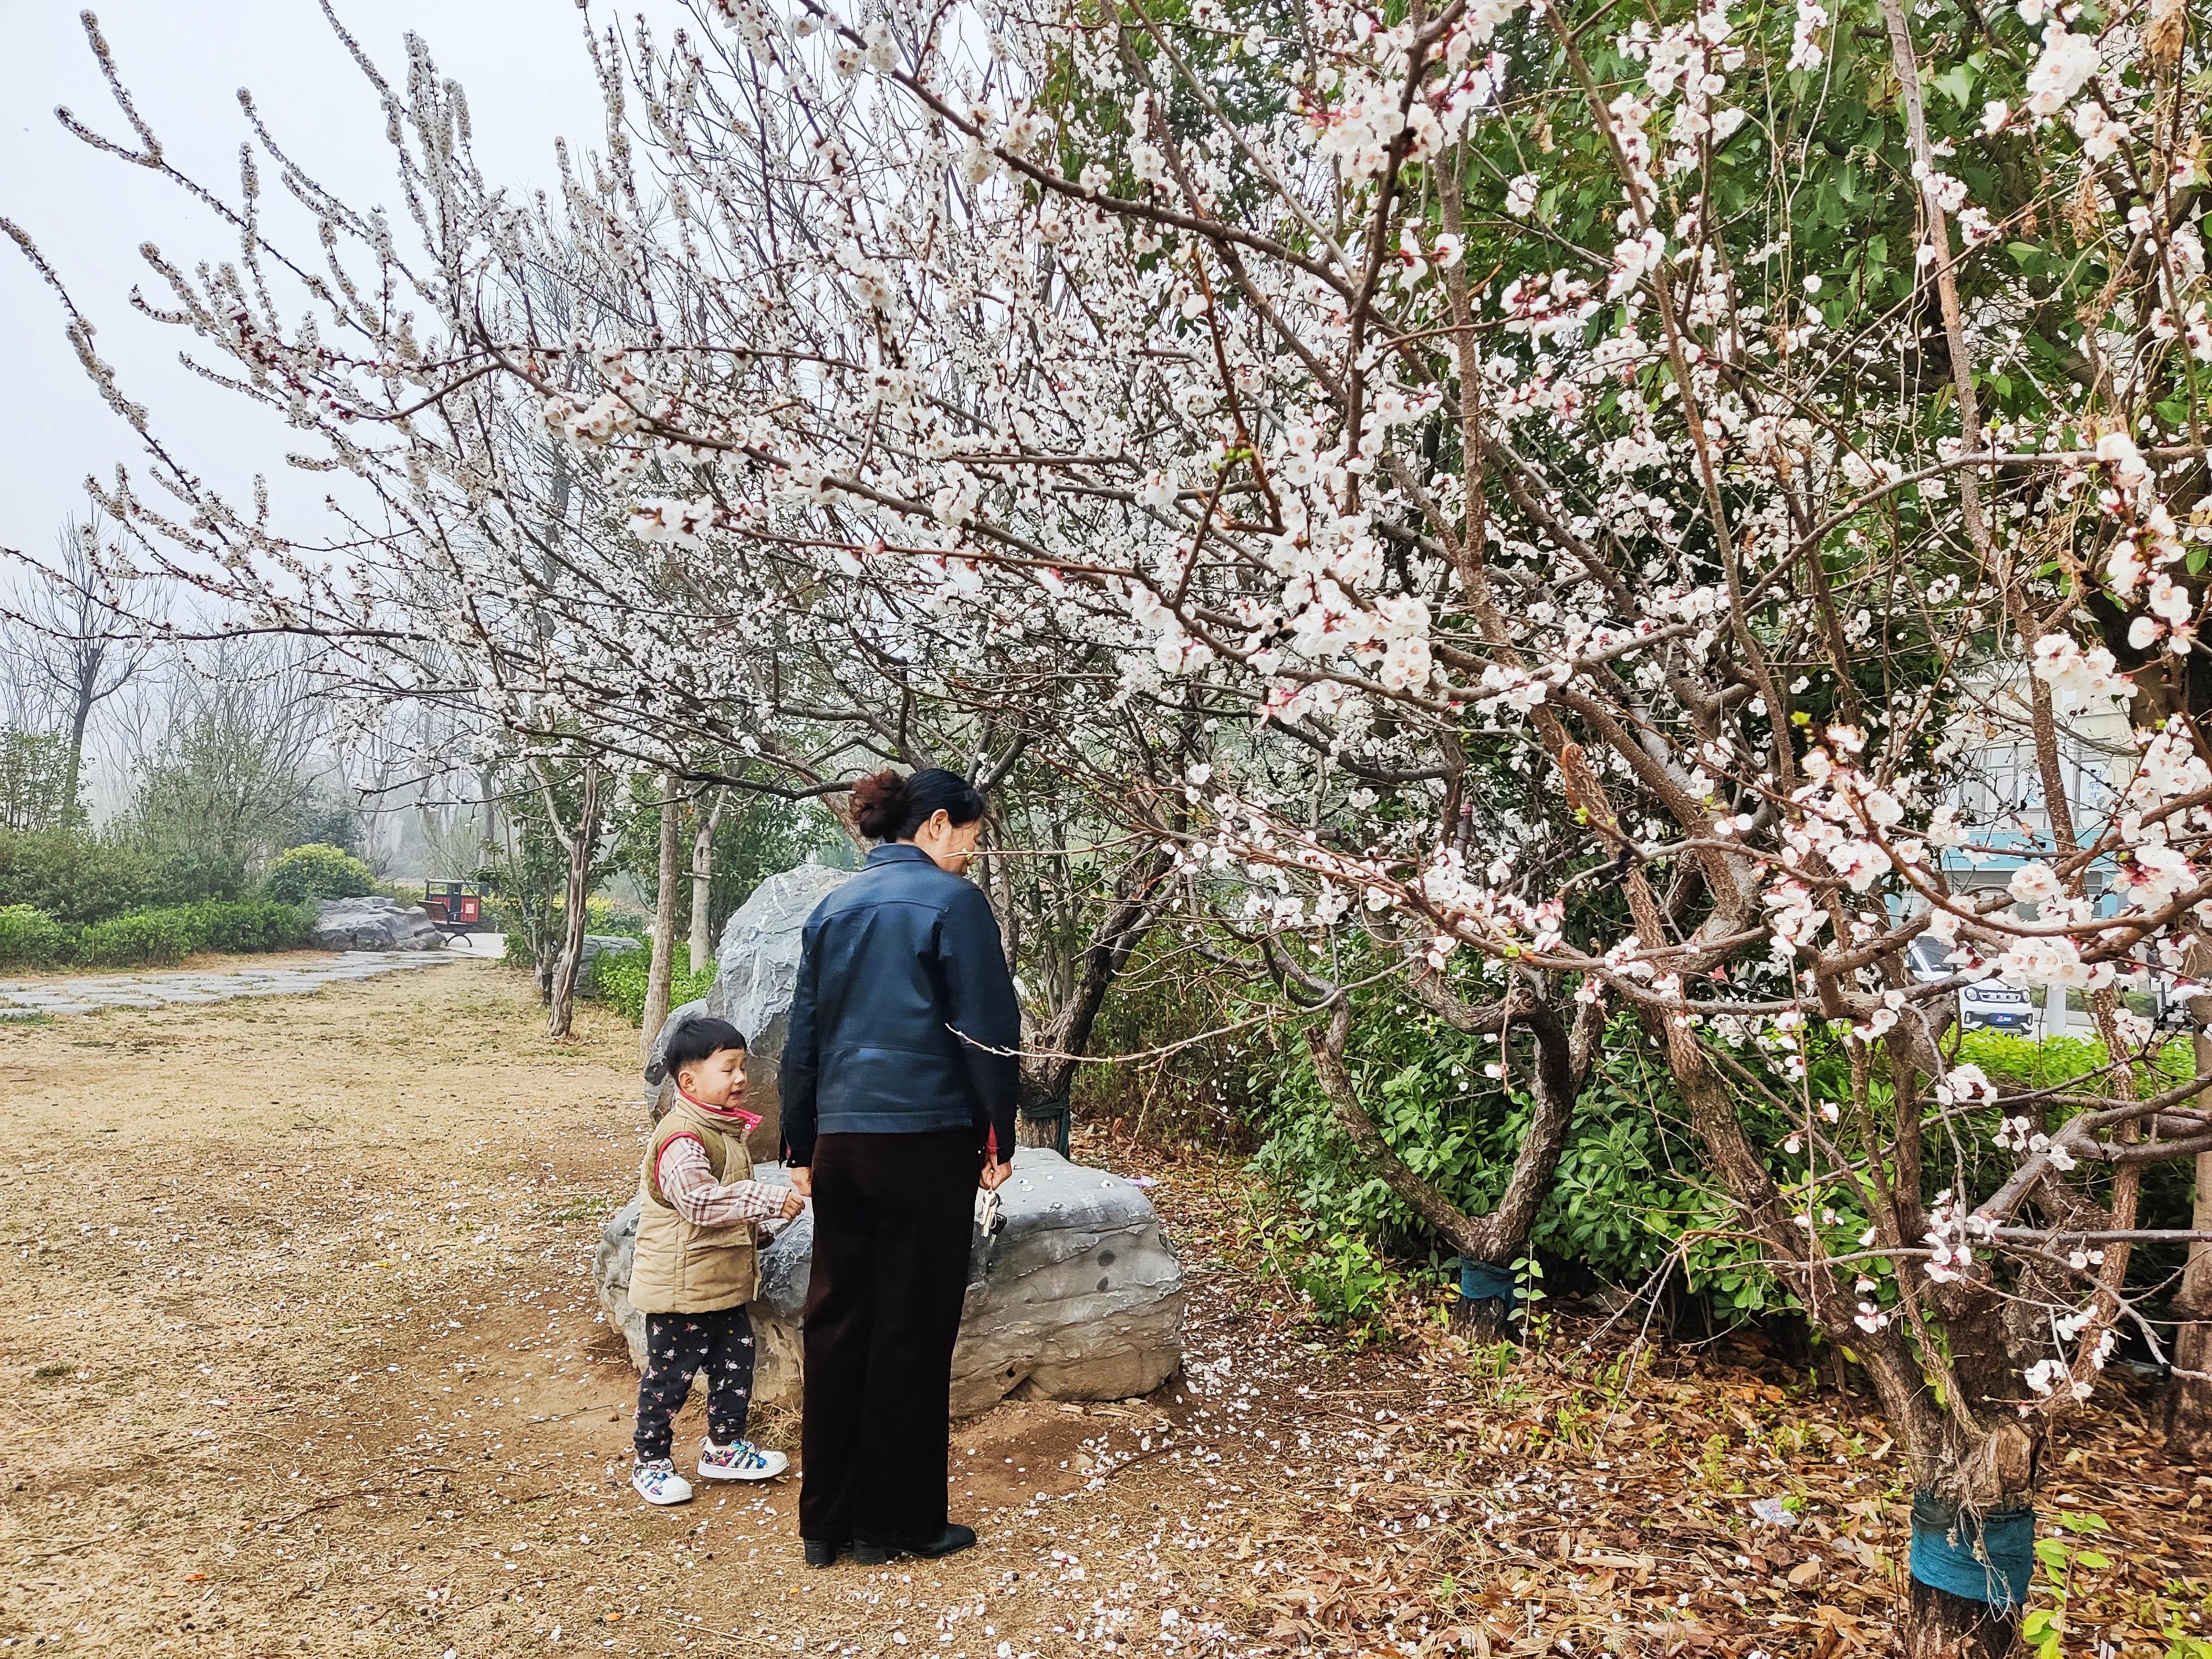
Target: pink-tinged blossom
2064, 68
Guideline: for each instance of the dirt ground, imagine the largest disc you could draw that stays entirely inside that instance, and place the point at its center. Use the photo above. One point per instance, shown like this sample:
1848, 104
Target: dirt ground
299, 1355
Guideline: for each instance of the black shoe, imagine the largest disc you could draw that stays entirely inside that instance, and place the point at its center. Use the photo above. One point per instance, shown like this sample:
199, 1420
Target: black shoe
825, 1552
954, 1539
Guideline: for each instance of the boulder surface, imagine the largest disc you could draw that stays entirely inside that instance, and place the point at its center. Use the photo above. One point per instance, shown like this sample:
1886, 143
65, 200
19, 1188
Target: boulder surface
1077, 1297
755, 968
373, 924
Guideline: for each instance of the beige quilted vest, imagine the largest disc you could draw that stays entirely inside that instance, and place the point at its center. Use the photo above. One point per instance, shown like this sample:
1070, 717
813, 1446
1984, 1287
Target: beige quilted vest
680, 1267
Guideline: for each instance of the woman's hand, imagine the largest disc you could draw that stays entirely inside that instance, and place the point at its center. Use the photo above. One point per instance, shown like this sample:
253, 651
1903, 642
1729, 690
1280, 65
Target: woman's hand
802, 1182
995, 1176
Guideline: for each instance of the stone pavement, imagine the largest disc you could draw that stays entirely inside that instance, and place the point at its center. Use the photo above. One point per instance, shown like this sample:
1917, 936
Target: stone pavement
28, 999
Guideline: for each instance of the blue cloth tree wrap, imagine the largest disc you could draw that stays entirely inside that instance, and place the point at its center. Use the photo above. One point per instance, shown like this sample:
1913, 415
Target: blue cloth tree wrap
1944, 1559
1479, 1281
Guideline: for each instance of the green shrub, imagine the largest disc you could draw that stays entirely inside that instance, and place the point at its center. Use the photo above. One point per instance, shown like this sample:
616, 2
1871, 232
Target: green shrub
74, 879
142, 938
317, 871
247, 925
1628, 1188
29, 937
620, 983
78, 878
2014, 1061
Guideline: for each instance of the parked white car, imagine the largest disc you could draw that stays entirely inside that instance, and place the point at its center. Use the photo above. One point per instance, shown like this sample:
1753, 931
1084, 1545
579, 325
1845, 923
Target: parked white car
1992, 1005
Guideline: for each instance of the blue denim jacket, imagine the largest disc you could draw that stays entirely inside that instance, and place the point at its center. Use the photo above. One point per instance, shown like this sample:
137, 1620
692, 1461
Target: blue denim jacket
896, 967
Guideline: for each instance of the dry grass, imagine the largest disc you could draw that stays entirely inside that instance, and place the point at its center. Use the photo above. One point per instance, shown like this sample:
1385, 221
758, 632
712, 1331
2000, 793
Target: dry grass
299, 1355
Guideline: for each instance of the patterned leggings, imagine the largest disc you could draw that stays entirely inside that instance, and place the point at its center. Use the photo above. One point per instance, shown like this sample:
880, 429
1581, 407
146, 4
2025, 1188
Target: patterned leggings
677, 1348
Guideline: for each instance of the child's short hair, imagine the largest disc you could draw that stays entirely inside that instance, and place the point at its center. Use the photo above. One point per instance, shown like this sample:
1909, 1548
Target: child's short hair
696, 1039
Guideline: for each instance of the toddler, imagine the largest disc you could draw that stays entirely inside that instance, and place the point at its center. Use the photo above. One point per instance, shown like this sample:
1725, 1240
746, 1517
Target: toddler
697, 1264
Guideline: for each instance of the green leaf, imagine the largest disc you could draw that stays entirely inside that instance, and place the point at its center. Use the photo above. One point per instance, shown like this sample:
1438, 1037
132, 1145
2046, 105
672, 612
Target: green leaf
1959, 82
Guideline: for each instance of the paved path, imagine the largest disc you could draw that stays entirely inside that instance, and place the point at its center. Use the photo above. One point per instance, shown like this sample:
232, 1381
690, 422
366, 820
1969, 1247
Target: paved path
21, 998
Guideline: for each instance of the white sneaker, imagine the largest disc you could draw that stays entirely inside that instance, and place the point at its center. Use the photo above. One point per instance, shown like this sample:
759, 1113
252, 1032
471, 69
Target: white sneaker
657, 1482
740, 1460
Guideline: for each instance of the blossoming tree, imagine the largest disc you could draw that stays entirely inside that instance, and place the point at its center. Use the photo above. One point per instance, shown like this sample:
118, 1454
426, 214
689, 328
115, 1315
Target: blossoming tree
1555, 503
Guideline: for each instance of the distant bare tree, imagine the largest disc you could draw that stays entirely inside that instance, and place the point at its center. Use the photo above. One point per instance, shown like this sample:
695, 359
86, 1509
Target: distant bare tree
243, 743
80, 638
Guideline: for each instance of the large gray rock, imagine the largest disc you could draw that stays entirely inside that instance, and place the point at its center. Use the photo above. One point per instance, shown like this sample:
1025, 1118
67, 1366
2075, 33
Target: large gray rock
373, 924
1079, 1296
755, 969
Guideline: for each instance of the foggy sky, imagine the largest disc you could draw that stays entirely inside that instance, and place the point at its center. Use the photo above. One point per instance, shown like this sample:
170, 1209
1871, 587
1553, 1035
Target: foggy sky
528, 79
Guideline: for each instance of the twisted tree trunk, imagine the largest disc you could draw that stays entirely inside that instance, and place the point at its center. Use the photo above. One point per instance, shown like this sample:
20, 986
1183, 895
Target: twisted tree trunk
1495, 1241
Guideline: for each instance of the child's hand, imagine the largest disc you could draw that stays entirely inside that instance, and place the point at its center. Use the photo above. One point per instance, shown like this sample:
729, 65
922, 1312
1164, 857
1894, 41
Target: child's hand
793, 1206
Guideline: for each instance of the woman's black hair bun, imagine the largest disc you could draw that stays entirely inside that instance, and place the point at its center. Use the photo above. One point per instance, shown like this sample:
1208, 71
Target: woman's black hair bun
879, 802
887, 806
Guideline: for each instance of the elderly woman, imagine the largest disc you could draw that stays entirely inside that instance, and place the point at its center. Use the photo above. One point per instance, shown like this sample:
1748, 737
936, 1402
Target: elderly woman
898, 1102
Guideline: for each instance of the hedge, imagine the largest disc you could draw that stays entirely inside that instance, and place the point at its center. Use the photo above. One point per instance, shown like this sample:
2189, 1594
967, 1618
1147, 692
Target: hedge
29, 937
247, 925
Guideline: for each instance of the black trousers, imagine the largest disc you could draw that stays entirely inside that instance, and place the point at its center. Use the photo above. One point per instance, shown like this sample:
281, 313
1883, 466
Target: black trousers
893, 1218
677, 1348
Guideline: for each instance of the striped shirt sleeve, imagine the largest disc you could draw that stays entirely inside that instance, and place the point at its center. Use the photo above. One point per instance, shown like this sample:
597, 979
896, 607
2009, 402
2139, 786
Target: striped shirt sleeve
687, 1180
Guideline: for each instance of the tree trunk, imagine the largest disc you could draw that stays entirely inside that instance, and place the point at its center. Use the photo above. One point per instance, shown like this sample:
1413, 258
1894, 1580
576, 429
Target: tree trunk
2189, 1399
582, 837
73, 777
1487, 1319
703, 879
1941, 1626
1045, 1084
1494, 1241
662, 968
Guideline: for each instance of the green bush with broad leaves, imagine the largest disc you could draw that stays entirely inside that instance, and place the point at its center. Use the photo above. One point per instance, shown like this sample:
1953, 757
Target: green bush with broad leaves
619, 983
1628, 1190
317, 871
